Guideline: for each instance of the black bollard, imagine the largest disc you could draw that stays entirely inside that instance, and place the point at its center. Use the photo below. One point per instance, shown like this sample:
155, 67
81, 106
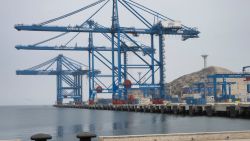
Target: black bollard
41, 137
85, 136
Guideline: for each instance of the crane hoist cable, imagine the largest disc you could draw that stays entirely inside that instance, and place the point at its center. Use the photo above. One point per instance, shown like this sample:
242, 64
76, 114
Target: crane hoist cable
136, 14
62, 34
75, 62
86, 21
148, 10
71, 13
144, 8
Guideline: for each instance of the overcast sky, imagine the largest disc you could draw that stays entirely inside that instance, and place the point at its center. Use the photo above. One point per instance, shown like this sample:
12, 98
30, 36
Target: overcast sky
224, 27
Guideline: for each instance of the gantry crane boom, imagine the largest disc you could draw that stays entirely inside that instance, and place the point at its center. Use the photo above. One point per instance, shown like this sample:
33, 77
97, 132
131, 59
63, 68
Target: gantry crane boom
230, 75
50, 72
187, 33
72, 48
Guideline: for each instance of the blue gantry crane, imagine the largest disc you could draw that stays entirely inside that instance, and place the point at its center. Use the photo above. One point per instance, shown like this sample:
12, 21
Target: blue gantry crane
247, 78
224, 84
68, 76
123, 40
206, 89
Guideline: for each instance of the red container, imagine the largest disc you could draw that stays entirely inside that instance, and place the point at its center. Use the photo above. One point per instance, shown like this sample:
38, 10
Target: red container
99, 89
247, 79
157, 101
119, 102
91, 102
127, 84
131, 97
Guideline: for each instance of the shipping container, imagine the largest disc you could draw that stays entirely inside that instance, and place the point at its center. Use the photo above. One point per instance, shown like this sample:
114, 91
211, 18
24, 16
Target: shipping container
248, 88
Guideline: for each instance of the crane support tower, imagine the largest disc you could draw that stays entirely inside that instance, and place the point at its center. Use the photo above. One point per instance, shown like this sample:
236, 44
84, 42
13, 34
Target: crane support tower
123, 41
68, 76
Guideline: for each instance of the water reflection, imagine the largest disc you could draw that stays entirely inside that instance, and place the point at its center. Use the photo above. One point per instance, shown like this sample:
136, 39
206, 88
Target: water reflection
64, 133
64, 124
112, 123
117, 125
163, 118
164, 124
126, 124
77, 128
92, 127
154, 119
122, 122
60, 131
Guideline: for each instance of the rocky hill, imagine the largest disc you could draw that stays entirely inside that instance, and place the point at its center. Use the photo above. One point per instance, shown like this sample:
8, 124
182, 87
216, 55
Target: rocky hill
186, 80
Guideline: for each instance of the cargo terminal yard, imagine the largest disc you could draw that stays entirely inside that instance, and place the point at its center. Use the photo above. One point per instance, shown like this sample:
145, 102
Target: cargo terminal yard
125, 70
196, 100
111, 72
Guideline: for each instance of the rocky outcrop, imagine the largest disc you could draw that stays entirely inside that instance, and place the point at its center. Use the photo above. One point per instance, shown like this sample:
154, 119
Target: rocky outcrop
199, 76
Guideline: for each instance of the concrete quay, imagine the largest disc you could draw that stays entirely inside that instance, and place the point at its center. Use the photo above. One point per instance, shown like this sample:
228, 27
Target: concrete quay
203, 136
211, 109
11, 140
208, 136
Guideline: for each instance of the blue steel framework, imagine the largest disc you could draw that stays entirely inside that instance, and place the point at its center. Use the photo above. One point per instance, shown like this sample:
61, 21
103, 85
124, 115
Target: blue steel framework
207, 88
224, 83
118, 36
244, 69
198, 87
68, 76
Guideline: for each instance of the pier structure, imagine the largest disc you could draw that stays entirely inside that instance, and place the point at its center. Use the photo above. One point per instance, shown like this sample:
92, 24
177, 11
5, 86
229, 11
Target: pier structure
147, 56
209, 109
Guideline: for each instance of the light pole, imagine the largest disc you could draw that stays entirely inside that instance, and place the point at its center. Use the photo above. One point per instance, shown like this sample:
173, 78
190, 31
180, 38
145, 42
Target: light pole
205, 60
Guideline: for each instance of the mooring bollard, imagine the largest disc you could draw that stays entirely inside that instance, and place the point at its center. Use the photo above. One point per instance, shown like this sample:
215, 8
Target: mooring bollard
85, 136
41, 137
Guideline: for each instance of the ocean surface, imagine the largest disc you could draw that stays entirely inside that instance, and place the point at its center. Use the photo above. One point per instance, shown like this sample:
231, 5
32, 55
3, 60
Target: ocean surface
20, 122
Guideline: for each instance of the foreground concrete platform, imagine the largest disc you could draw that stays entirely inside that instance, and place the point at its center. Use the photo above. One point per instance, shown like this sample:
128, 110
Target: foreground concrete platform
208, 136
11, 140
232, 140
